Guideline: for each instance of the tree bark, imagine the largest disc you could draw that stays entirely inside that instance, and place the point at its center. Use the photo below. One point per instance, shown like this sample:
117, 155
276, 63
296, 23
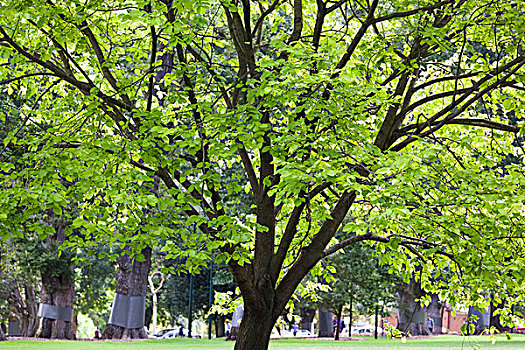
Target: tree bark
411, 316
58, 289
26, 308
351, 309
132, 280
434, 311
338, 322
219, 326
495, 320
256, 328
2, 335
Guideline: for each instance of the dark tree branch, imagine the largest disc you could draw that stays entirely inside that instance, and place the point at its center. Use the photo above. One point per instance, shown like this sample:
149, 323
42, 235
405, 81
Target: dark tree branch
248, 167
291, 229
84, 28
261, 19
7, 81
153, 57
517, 63
428, 8
297, 21
312, 253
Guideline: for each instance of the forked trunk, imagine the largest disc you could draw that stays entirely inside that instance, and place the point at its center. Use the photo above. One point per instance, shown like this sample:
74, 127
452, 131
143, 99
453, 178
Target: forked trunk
255, 330
132, 281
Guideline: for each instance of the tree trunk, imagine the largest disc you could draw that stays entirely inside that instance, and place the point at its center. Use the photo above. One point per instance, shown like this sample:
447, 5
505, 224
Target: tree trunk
154, 314
326, 325
132, 280
2, 335
255, 330
434, 311
411, 316
495, 318
351, 315
338, 322
219, 326
307, 318
154, 299
26, 308
58, 288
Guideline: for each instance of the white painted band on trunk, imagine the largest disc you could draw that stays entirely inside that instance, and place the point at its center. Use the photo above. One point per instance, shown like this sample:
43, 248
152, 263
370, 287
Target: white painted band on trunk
55, 312
128, 312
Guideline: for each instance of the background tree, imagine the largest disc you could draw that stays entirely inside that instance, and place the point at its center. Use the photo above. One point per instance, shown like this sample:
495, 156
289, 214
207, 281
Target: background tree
335, 117
154, 289
19, 289
356, 282
94, 284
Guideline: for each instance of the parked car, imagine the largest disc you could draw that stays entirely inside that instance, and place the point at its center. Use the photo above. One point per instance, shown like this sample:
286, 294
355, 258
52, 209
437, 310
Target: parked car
300, 333
175, 333
163, 332
362, 329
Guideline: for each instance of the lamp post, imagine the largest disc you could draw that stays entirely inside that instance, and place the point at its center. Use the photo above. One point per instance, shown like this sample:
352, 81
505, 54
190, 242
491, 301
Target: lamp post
190, 307
210, 300
376, 318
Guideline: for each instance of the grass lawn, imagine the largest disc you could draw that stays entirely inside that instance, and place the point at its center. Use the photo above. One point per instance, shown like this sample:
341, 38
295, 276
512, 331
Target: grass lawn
440, 342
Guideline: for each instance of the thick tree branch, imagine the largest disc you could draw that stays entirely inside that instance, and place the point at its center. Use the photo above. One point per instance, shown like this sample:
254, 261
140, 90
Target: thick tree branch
261, 19
153, 57
291, 229
313, 252
403, 14
248, 167
517, 63
84, 28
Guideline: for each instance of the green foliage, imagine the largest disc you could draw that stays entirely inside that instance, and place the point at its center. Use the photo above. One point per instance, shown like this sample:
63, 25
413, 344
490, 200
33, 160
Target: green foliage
357, 275
399, 116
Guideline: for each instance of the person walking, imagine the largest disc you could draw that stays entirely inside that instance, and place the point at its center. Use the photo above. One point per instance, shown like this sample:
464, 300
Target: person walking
430, 324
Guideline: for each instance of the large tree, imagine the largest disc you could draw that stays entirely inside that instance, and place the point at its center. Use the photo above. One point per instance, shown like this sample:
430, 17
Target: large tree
382, 112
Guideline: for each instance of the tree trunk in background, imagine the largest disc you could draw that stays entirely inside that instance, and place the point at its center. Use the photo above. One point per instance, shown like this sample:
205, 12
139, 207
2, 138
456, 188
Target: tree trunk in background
495, 319
325, 324
434, 311
57, 289
338, 322
2, 335
219, 326
26, 308
411, 316
351, 315
154, 299
307, 317
132, 280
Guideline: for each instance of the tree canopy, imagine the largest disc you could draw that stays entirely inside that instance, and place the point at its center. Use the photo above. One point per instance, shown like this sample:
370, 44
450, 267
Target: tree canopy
396, 115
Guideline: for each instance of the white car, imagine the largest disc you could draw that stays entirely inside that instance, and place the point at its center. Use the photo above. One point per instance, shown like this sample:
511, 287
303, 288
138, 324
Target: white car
174, 333
288, 333
363, 330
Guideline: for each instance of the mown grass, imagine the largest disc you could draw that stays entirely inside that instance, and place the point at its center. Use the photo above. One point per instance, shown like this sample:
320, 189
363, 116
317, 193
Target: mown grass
446, 342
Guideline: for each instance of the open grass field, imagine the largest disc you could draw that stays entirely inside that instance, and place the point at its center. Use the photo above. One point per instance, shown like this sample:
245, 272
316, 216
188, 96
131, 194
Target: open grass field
441, 342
